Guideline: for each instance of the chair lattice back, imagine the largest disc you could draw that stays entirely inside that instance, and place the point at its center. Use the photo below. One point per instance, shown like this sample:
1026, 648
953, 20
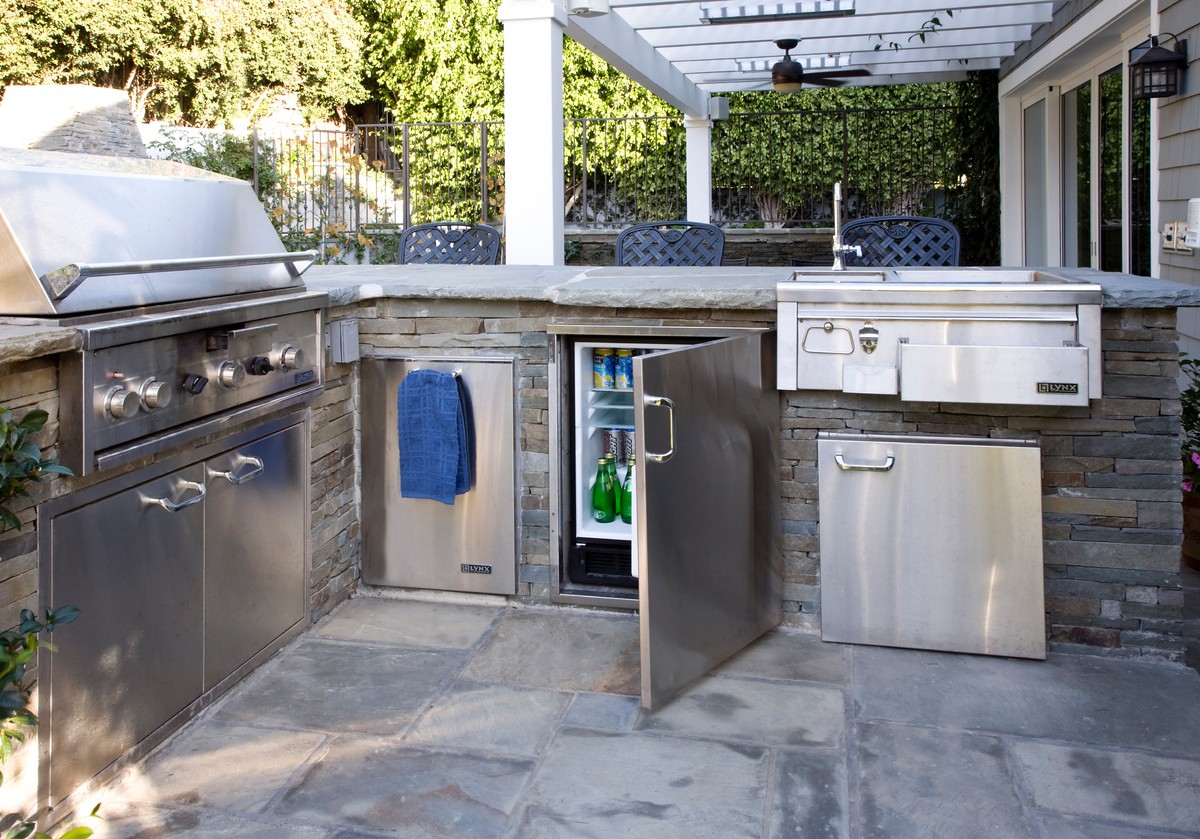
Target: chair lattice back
901, 240
661, 243
449, 243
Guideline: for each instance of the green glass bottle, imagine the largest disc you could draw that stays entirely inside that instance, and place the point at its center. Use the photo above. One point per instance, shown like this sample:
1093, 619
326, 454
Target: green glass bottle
627, 493
610, 461
602, 495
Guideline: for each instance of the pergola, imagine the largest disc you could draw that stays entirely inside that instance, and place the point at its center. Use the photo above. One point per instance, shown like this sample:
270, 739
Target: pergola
688, 51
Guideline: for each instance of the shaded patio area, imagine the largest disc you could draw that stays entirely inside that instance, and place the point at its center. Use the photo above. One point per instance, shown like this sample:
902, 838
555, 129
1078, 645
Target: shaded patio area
433, 719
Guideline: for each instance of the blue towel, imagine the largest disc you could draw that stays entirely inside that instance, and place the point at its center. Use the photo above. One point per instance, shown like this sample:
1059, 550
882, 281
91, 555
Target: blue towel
435, 455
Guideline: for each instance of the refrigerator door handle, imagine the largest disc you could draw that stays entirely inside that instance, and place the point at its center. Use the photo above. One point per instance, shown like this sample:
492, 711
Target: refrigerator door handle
663, 402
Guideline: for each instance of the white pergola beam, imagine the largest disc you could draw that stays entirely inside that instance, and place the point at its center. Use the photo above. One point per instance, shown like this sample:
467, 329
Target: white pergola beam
623, 47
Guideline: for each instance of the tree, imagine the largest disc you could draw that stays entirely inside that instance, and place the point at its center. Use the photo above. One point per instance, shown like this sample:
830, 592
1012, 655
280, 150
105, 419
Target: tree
188, 61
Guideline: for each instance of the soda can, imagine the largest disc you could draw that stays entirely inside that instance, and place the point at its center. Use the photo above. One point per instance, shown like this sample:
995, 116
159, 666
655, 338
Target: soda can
612, 443
626, 444
604, 368
624, 371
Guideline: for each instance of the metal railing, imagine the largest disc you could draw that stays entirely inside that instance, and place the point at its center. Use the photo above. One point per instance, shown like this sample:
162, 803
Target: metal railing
769, 169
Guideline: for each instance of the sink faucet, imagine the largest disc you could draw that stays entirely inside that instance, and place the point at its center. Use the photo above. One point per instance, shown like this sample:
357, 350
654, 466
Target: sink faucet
840, 249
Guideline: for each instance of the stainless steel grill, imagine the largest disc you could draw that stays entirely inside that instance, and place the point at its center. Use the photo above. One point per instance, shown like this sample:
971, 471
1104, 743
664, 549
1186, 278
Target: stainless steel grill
192, 316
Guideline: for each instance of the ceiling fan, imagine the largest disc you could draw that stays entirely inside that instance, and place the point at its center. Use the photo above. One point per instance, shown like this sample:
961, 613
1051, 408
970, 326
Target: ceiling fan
788, 76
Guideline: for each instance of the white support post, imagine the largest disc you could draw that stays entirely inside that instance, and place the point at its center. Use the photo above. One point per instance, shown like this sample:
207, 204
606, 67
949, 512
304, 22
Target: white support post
698, 133
533, 131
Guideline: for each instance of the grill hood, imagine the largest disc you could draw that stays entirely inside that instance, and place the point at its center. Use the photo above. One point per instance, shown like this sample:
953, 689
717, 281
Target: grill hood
84, 233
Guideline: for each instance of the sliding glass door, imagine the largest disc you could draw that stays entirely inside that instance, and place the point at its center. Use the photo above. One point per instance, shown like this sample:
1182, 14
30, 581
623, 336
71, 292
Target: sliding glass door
1105, 176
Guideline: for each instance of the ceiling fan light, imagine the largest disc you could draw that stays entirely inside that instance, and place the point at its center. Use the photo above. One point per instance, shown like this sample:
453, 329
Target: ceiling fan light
787, 76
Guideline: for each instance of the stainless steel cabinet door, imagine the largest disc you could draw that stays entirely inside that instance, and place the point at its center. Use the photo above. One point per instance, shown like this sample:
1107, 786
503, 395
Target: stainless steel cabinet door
707, 439
932, 542
255, 581
133, 564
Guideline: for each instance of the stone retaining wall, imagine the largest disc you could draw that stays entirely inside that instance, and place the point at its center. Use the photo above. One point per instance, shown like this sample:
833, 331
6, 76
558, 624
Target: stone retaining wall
761, 246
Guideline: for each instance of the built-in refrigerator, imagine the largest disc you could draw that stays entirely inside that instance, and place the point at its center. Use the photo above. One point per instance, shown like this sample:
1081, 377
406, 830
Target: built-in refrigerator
700, 560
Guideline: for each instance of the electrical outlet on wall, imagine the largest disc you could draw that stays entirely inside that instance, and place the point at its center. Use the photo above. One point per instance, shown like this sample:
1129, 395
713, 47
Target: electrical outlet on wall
1173, 237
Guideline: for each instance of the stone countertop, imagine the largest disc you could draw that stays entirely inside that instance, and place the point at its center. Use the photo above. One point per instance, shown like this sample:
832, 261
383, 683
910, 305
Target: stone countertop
21, 343
653, 288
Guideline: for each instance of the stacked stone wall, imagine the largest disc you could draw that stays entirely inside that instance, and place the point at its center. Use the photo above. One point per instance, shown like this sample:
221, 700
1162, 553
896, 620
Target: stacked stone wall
336, 538
70, 118
768, 246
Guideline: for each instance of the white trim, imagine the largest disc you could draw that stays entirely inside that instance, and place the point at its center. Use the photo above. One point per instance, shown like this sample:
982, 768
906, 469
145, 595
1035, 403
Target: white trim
1098, 18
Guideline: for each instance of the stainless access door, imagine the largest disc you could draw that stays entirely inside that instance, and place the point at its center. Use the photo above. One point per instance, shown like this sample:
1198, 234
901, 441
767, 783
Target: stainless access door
708, 511
932, 543
470, 545
132, 562
256, 573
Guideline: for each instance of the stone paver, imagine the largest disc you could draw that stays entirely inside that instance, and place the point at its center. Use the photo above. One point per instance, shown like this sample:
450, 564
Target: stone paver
397, 718
402, 791
338, 687
595, 785
1123, 787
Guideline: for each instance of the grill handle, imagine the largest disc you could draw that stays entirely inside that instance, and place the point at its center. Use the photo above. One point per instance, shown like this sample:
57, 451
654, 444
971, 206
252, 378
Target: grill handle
62, 281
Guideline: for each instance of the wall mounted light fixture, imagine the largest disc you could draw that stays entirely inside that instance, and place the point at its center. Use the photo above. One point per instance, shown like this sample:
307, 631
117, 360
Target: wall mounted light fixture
1154, 70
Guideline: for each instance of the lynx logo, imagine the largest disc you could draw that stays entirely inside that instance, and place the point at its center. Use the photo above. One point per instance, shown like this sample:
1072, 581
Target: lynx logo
1058, 387
468, 568
305, 376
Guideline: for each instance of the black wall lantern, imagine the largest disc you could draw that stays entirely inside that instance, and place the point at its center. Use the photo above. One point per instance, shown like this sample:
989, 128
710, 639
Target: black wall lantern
1154, 70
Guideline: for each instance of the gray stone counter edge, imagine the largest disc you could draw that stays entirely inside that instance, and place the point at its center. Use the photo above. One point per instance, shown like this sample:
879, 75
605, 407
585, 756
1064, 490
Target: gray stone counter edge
22, 343
666, 288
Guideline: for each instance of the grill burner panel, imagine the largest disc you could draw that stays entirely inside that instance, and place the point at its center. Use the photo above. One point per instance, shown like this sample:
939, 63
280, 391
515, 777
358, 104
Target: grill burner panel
143, 384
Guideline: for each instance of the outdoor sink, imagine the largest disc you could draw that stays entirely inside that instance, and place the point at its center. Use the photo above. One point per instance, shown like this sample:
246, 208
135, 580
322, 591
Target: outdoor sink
1012, 336
956, 276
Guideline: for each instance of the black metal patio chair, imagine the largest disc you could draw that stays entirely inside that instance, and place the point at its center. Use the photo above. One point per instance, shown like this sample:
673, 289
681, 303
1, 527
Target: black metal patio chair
449, 243
901, 240
677, 243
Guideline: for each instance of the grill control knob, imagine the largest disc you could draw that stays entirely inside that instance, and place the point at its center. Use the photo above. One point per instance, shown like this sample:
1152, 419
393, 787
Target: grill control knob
291, 358
121, 403
155, 394
231, 374
259, 365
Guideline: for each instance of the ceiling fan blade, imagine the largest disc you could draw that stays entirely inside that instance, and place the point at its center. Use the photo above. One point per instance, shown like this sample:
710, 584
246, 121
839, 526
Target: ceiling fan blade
847, 73
822, 81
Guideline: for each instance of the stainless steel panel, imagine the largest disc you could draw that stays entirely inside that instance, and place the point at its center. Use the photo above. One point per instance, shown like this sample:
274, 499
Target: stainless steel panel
256, 538
709, 515
65, 214
932, 543
133, 658
1001, 375
470, 545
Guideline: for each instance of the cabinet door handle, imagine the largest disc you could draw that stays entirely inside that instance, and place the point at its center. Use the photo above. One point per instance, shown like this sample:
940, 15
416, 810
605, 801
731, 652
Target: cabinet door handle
663, 402
245, 469
888, 463
172, 506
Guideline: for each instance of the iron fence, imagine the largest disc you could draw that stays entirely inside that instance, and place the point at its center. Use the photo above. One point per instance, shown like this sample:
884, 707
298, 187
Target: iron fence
346, 190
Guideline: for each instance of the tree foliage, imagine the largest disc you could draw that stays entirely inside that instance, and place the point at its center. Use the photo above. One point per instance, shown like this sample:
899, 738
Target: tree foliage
202, 62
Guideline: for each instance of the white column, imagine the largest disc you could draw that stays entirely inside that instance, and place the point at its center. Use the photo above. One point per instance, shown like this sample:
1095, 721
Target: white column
533, 131
698, 133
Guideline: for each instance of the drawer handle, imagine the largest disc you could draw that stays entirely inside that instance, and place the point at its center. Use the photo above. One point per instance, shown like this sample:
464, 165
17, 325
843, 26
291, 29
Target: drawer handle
237, 475
888, 463
175, 506
663, 402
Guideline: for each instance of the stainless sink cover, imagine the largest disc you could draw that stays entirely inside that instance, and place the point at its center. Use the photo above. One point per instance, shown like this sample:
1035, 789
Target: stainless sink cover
965, 335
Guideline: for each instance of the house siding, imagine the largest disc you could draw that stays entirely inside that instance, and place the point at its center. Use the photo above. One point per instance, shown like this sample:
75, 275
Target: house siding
1179, 161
